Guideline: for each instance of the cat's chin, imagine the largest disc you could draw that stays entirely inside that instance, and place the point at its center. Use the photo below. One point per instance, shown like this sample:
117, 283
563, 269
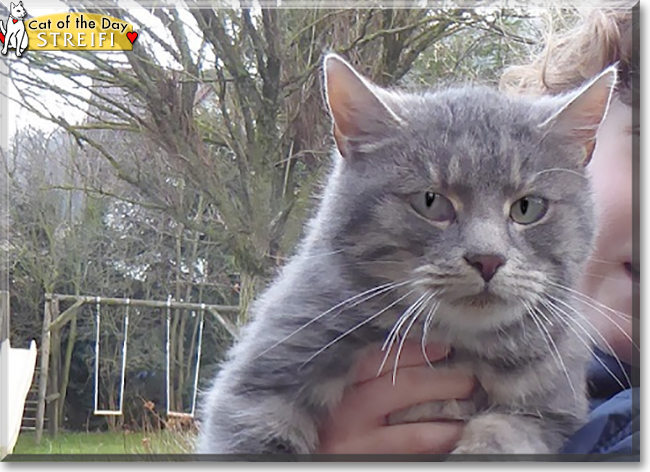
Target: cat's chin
484, 300
480, 312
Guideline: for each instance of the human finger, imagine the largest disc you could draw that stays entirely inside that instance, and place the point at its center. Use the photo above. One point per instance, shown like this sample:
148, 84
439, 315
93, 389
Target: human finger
411, 355
413, 385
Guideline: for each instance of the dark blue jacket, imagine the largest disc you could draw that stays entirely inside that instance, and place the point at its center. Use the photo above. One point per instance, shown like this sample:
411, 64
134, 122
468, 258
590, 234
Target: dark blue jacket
613, 426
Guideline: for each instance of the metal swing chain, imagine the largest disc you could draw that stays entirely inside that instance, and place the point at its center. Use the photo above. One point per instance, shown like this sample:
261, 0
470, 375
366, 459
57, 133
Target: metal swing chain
198, 360
97, 322
167, 347
198, 363
124, 348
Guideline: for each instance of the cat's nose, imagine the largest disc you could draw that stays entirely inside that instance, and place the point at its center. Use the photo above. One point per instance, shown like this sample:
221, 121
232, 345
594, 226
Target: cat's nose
486, 264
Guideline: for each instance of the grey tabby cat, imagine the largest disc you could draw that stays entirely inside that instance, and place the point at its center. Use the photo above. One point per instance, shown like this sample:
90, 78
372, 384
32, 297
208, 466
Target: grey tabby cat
454, 216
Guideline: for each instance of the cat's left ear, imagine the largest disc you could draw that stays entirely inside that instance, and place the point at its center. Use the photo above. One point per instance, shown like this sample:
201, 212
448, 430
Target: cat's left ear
579, 118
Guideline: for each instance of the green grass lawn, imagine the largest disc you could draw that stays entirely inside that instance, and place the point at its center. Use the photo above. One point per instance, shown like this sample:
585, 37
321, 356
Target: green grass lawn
161, 442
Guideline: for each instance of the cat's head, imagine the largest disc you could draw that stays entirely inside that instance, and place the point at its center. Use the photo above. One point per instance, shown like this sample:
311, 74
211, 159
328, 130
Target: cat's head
17, 10
480, 200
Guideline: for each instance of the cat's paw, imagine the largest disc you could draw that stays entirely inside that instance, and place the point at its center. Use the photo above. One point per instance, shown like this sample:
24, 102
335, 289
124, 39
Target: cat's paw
479, 439
487, 447
494, 433
449, 410
476, 452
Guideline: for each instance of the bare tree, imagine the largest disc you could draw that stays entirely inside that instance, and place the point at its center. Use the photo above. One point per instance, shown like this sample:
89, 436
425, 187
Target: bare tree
228, 106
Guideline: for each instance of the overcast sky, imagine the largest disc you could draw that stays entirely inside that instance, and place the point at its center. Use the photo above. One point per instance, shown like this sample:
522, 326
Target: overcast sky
20, 117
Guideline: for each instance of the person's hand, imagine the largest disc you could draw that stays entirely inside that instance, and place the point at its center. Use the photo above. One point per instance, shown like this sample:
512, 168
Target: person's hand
358, 425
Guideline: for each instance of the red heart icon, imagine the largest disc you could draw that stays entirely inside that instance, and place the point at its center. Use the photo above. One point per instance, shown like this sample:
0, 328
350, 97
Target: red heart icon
131, 35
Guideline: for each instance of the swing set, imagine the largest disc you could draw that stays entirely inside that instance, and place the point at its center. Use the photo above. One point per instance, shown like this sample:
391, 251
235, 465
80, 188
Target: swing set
197, 367
52, 393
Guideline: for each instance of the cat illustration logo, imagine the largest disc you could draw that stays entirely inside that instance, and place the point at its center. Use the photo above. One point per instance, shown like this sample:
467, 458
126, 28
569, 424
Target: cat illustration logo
14, 35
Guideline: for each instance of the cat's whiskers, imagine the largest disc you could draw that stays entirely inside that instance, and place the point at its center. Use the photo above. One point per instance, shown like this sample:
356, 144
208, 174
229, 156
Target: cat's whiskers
623, 278
565, 318
587, 300
374, 292
408, 329
581, 298
397, 325
601, 261
552, 299
542, 315
357, 326
555, 310
585, 318
546, 335
392, 335
425, 332
537, 324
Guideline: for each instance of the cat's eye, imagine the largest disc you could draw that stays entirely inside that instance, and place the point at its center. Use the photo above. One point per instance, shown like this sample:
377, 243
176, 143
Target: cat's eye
433, 206
528, 210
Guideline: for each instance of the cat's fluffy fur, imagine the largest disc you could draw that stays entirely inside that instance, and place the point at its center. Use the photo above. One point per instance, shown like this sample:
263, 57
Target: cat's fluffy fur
483, 150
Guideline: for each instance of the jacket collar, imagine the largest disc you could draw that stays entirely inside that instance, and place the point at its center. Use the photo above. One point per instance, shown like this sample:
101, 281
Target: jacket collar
607, 376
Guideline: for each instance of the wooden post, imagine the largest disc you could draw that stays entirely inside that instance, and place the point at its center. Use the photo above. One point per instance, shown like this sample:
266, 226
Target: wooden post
72, 336
44, 369
66, 316
53, 378
5, 316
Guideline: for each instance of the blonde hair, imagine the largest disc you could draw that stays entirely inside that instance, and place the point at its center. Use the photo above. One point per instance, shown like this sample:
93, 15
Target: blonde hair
600, 38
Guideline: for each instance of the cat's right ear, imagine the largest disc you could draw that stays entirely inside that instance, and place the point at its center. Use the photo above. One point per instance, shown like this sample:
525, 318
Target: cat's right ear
359, 113
579, 118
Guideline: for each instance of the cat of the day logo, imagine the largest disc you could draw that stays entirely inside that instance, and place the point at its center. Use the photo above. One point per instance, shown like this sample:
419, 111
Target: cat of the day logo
64, 32
14, 35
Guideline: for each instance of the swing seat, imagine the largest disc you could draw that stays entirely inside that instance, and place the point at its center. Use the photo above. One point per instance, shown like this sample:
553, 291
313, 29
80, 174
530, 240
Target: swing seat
179, 414
107, 412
